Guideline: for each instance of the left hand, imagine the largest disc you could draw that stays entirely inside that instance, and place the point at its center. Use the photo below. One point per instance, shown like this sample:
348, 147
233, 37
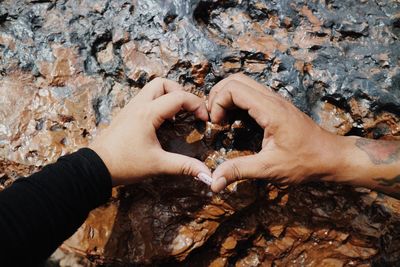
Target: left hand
129, 146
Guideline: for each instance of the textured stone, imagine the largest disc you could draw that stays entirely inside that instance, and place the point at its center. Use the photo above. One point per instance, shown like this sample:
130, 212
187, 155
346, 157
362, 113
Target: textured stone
67, 67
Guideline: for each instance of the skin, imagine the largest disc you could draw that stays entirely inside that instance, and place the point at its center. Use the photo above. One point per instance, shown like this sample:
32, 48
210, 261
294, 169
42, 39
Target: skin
380, 152
129, 146
294, 149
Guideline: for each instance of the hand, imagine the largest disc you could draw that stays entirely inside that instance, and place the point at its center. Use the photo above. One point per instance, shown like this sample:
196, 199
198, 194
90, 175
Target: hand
129, 146
294, 148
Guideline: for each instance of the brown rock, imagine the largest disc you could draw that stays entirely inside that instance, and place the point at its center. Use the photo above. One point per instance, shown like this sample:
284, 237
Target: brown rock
65, 66
266, 44
66, 69
334, 119
106, 55
138, 63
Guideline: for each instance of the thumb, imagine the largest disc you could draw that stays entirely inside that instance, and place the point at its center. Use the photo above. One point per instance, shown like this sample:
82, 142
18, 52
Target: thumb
240, 168
176, 164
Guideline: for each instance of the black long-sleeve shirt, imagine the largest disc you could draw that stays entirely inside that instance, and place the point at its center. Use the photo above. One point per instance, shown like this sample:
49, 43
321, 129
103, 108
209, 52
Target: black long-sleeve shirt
39, 212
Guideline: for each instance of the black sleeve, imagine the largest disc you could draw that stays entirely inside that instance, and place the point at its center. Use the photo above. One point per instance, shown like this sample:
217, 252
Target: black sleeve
39, 212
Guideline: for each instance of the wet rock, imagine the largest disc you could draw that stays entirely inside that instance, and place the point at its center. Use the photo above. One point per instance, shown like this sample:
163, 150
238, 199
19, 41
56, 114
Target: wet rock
67, 67
138, 63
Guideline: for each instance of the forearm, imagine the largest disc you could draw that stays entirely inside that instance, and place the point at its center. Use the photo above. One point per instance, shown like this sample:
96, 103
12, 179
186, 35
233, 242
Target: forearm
39, 212
369, 163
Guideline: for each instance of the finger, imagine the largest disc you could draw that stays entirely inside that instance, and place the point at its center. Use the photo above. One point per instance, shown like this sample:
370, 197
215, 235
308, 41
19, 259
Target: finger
217, 113
236, 169
168, 105
158, 87
226, 100
176, 164
237, 94
240, 78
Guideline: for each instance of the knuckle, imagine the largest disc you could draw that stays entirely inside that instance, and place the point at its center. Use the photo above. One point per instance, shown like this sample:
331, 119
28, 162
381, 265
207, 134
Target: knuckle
265, 170
231, 84
230, 87
261, 117
213, 91
180, 96
264, 122
187, 168
236, 172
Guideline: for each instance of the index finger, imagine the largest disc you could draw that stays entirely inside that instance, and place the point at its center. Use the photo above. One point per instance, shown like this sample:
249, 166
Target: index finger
240, 78
237, 94
157, 88
168, 105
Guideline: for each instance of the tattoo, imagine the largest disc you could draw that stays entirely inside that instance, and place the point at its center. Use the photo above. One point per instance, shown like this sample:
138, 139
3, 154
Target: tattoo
380, 152
394, 182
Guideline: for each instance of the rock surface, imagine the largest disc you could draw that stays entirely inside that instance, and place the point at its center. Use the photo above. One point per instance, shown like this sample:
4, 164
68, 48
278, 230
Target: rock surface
67, 67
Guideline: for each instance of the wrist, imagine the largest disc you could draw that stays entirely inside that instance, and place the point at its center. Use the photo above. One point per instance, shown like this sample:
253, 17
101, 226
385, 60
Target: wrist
106, 157
370, 163
350, 164
338, 159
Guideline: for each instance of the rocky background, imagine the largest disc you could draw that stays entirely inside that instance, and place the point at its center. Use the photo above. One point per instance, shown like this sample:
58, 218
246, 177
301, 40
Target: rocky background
67, 67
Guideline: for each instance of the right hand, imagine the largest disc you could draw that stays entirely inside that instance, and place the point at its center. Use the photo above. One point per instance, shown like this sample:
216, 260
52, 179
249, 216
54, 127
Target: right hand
294, 149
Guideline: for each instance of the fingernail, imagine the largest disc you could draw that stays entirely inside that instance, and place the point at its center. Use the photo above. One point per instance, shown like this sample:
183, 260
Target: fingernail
204, 178
219, 184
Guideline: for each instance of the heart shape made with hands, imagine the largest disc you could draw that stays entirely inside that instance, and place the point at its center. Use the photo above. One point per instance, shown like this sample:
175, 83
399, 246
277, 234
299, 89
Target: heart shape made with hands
211, 143
179, 150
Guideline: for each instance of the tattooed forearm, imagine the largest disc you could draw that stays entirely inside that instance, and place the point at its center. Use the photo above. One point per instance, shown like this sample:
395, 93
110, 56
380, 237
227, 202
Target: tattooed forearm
380, 152
392, 185
389, 182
